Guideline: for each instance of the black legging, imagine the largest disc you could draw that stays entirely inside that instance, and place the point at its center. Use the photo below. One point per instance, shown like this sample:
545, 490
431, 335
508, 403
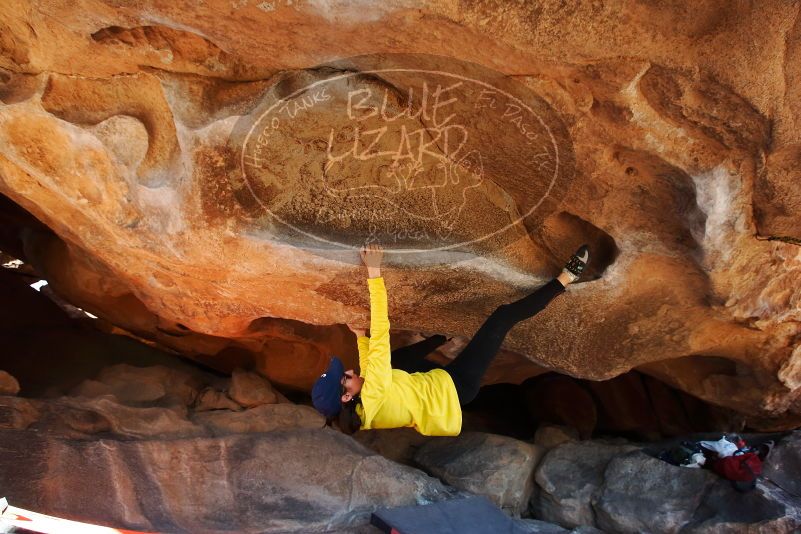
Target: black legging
468, 368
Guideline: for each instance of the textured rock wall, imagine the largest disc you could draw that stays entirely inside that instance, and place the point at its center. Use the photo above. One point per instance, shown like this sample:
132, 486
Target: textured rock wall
683, 127
244, 482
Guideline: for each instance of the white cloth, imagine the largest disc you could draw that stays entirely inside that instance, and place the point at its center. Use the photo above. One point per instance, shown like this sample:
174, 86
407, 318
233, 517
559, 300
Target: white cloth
723, 447
696, 460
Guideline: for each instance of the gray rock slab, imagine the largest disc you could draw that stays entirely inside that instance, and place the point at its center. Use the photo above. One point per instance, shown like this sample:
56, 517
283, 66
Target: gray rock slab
644, 494
568, 477
498, 467
783, 465
767, 509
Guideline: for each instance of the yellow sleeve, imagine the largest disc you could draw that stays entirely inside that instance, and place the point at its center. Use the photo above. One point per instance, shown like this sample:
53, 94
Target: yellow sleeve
364, 345
378, 369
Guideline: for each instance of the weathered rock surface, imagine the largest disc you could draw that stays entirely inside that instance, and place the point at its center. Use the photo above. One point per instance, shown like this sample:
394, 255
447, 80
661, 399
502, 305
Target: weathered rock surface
568, 478
680, 142
129, 384
76, 418
496, 466
16, 413
767, 508
549, 436
250, 389
264, 418
618, 488
135, 422
158, 402
292, 481
644, 494
211, 399
397, 444
784, 467
276, 468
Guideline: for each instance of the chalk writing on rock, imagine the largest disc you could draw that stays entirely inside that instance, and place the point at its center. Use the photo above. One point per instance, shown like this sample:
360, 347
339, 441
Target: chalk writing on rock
420, 154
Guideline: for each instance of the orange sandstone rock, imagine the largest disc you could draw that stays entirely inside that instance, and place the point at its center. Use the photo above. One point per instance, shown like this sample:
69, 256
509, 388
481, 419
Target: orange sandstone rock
679, 126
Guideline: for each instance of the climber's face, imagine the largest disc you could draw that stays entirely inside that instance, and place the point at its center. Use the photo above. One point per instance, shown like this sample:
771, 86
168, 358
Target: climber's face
351, 385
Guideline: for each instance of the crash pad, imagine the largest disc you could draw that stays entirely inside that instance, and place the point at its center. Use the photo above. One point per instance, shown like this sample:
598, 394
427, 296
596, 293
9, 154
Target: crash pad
471, 515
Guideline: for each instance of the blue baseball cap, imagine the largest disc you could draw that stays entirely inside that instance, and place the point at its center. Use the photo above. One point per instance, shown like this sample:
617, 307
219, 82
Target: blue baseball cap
327, 390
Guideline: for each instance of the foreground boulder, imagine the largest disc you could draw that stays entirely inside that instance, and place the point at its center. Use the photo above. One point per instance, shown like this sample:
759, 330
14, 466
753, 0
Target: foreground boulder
294, 481
276, 468
644, 494
784, 468
767, 508
619, 488
568, 478
496, 466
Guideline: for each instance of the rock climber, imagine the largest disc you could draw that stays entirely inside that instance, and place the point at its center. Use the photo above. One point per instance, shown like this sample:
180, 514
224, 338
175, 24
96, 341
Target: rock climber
402, 388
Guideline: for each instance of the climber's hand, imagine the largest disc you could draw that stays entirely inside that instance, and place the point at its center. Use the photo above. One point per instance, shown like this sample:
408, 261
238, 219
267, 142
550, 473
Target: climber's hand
360, 332
371, 257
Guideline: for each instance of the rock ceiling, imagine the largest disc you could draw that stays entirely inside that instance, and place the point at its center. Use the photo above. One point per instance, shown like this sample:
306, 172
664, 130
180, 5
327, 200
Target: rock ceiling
667, 135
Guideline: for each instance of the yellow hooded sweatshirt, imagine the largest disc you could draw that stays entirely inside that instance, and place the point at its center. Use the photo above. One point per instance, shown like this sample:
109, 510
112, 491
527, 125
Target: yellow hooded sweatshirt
392, 398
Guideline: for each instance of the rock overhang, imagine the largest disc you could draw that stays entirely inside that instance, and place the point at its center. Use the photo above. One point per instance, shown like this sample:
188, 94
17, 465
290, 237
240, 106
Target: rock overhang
117, 139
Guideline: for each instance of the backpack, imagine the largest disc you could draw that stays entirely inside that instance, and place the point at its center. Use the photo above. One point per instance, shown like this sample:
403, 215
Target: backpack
741, 469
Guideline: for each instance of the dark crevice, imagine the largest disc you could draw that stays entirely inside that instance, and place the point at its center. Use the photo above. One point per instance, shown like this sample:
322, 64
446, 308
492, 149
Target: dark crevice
231, 79
564, 227
170, 332
15, 222
633, 405
158, 37
784, 239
